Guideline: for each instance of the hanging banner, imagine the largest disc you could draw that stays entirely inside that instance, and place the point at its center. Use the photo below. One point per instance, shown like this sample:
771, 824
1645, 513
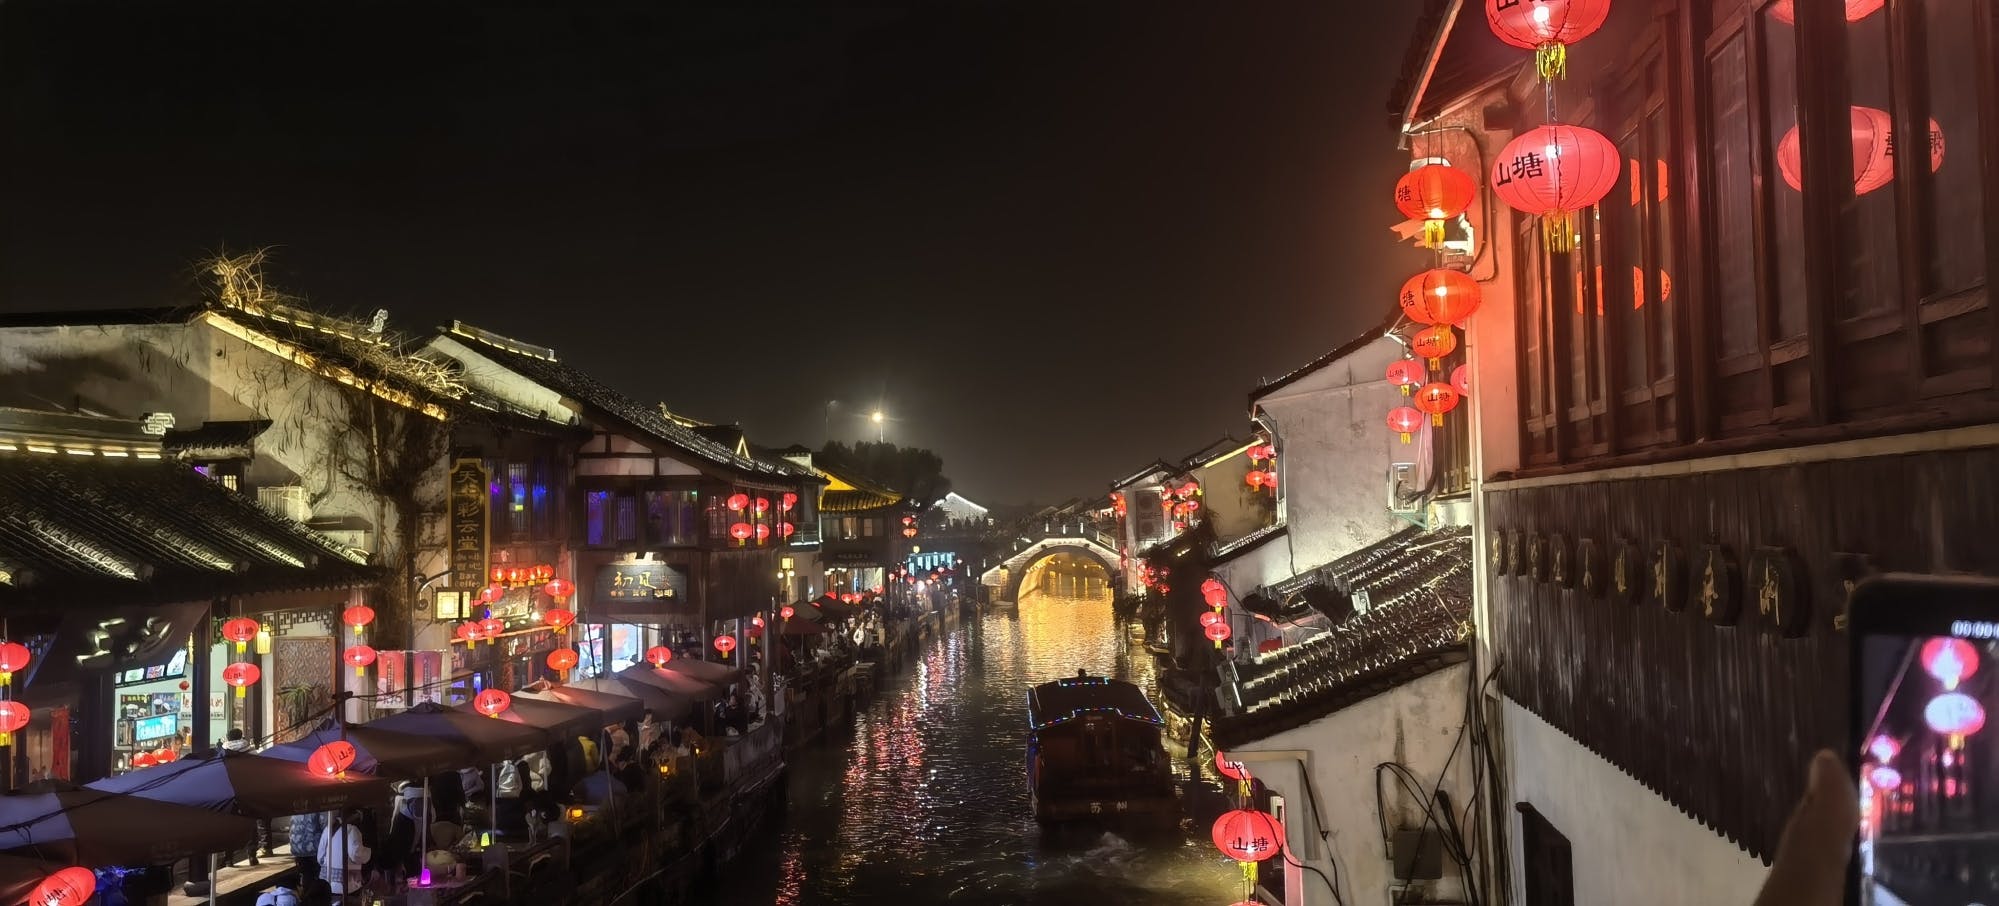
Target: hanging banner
392, 680
470, 505
59, 743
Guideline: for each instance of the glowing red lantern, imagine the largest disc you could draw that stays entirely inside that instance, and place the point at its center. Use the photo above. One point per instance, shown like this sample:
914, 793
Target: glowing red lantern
14, 658
166, 756
1437, 399
909, 532
1214, 592
785, 503
358, 617
1439, 296
757, 621
1404, 421
763, 532
1546, 27
786, 612
1230, 768
737, 502
144, 760
558, 618
1856, 10
1254, 479
242, 631
559, 589
1246, 835
1434, 193
740, 531
490, 629
493, 594
1951, 661
242, 675
1270, 479
1873, 151
562, 660
1211, 617
1553, 171
763, 505
492, 702
1217, 632
331, 759
1884, 778
359, 657
468, 632
1407, 373
71, 886
784, 529
1461, 379
1954, 714
13, 716
1433, 343
725, 644
658, 655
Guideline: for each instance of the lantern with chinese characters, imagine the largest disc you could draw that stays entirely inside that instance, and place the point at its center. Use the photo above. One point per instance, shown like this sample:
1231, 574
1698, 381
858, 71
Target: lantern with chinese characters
1211, 617
1785, 10
1217, 632
242, 675
491, 629
1214, 592
1247, 835
1553, 171
71, 886
14, 658
725, 644
1461, 379
737, 502
558, 618
741, 531
1407, 373
562, 660
1873, 151
658, 655
1955, 715
1546, 27
1439, 296
242, 631
1433, 343
359, 657
331, 759
1434, 193
1404, 421
492, 702
1437, 399
1951, 661
1230, 768
786, 612
13, 716
560, 589
358, 616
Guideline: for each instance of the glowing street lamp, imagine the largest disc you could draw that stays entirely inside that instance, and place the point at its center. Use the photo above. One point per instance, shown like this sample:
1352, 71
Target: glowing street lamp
881, 429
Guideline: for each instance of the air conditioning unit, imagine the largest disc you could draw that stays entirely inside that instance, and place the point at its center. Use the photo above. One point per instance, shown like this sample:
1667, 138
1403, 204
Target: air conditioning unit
286, 500
1405, 495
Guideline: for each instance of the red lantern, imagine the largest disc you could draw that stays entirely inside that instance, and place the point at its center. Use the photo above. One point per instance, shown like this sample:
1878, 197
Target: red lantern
1217, 632
71, 886
1404, 421
737, 502
242, 675
658, 655
492, 702
1433, 343
358, 616
1211, 617
1230, 768
785, 503
909, 532
167, 756
559, 589
1553, 171
1873, 151
757, 621
1214, 592
1254, 479
763, 505
1951, 661
763, 532
1856, 10
493, 594
725, 644
241, 631
562, 660
1407, 373
1434, 193
1461, 379
13, 716
1246, 835
1546, 27
14, 658
1270, 479
1437, 399
786, 612
490, 629
331, 759
784, 529
359, 657
1954, 714
740, 531
1439, 296
558, 618
144, 760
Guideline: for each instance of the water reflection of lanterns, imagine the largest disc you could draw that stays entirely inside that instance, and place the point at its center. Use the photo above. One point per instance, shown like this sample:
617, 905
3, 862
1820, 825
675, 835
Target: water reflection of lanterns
1951, 661
1873, 137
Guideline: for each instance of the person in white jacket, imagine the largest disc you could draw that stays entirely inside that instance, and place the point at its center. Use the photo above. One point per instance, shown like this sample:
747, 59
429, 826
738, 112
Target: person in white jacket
342, 855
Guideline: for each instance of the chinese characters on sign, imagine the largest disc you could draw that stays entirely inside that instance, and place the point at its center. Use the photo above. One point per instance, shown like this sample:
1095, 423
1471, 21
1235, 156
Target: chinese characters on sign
469, 504
622, 583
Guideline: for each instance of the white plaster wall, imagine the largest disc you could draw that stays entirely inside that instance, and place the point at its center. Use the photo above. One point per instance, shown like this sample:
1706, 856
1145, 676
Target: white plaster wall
1415, 724
1268, 563
1334, 449
1629, 845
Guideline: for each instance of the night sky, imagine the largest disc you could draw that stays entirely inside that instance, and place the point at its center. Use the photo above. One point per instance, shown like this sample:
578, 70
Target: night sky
1055, 240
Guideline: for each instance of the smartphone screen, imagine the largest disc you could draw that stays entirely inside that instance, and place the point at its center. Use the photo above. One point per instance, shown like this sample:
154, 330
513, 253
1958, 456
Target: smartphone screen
1926, 686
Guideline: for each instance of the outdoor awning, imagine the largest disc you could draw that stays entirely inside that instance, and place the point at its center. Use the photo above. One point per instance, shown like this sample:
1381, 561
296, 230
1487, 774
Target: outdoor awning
705, 671
805, 627
241, 783
490, 740
616, 707
663, 704
677, 683
557, 721
382, 753
93, 827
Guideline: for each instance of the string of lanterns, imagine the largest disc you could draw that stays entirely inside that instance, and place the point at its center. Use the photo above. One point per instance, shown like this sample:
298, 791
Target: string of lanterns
1214, 622
1245, 834
14, 658
740, 503
1943, 765
1262, 474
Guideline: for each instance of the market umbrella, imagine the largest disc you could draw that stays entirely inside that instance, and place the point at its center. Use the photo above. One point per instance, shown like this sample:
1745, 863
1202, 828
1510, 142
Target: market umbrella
557, 721
383, 753
663, 704
804, 627
676, 683
240, 783
489, 740
96, 828
705, 671
617, 707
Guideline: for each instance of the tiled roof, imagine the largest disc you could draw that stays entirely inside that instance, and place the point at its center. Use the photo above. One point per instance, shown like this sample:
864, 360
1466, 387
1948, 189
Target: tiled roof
1237, 547
587, 390
1417, 591
1151, 468
1346, 349
215, 436
1469, 54
104, 529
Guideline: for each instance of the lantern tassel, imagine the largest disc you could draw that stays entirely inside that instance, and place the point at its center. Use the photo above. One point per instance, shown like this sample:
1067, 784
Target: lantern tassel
1405, 389
1433, 234
1558, 232
1405, 437
1437, 418
1551, 61
242, 692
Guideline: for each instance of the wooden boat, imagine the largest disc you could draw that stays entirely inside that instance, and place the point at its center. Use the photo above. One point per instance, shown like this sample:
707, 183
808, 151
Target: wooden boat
1094, 753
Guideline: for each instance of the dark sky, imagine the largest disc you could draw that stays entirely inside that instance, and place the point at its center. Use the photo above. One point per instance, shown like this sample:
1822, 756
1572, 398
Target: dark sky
1054, 239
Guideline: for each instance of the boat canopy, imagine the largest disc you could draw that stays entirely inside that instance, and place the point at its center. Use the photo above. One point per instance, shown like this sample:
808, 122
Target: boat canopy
1067, 699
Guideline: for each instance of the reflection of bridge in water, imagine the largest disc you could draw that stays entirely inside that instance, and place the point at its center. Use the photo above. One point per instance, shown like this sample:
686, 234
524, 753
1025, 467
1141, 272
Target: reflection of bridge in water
1081, 564
1064, 574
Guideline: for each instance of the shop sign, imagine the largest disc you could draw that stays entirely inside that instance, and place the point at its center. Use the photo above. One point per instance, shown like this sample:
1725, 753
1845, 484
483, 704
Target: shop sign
631, 583
469, 514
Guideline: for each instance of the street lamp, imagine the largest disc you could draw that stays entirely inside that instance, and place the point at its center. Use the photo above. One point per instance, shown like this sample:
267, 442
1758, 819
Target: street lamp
881, 430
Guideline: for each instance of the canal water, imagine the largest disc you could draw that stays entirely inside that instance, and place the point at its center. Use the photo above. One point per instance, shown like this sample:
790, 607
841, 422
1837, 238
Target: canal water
924, 798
